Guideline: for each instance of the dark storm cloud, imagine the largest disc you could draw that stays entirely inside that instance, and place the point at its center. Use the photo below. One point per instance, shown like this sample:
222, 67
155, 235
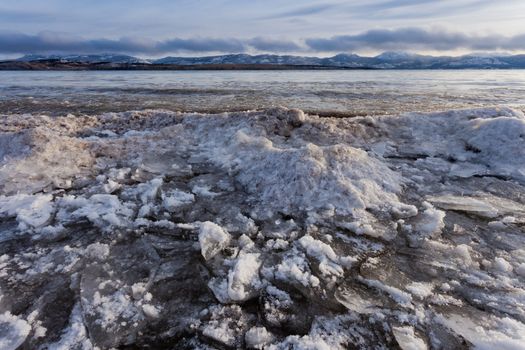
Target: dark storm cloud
415, 39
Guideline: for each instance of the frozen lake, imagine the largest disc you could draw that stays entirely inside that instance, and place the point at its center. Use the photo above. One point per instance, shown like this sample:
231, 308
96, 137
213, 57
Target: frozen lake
348, 92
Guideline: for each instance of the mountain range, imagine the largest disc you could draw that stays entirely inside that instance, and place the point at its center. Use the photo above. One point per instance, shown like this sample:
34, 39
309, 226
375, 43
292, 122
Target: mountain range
386, 60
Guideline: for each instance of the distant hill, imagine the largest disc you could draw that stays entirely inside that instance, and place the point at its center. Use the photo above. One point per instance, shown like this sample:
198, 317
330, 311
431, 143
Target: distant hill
386, 60
109, 58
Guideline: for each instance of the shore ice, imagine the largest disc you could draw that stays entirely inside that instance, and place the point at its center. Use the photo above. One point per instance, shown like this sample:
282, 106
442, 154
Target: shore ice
382, 230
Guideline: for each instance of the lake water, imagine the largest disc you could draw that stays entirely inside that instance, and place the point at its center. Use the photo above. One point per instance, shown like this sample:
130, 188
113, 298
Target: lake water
339, 92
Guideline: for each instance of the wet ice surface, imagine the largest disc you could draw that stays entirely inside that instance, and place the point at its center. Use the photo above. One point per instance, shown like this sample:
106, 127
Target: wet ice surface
351, 92
269, 229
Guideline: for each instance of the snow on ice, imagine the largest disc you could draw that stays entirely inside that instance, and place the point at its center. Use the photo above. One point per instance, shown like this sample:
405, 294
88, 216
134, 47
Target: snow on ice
263, 230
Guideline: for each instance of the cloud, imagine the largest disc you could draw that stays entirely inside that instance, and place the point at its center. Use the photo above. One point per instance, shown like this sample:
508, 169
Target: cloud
415, 9
412, 39
415, 39
201, 45
301, 11
25, 16
47, 42
272, 45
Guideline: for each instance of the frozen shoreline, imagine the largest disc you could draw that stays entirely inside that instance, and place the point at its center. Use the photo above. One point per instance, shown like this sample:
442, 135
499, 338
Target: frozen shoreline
266, 228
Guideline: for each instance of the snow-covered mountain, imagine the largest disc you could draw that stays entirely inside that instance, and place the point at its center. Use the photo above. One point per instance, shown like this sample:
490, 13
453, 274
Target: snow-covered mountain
397, 56
241, 59
110, 58
386, 60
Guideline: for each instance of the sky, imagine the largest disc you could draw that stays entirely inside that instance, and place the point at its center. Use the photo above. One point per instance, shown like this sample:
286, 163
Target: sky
155, 28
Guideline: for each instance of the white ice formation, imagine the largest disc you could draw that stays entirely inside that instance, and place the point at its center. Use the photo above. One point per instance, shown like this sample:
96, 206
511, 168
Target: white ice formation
263, 230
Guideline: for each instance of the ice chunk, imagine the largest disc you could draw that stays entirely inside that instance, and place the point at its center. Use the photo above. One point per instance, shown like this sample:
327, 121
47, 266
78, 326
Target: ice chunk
431, 222
226, 325
407, 339
258, 337
111, 312
212, 239
220, 333
111, 186
176, 198
396, 294
502, 265
49, 232
150, 310
464, 203
204, 191
420, 289
294, 267
242, 282
243, 279
360, 228
277, 244
104, 210
489, 140
329, 262
111, 308
462, 251
43, 158
29, 210
146, 192
75, 336
317, 248
98, 251
487, 333
305, 342
520, 270
357, 300
500, 142
488, 206
13, 331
